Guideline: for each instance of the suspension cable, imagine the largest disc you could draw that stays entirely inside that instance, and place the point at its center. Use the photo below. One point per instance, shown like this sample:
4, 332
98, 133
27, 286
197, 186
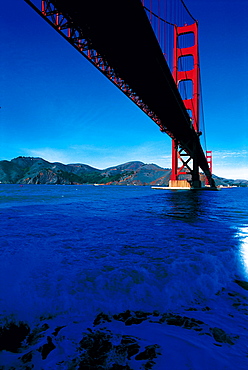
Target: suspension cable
187, 10
155, 15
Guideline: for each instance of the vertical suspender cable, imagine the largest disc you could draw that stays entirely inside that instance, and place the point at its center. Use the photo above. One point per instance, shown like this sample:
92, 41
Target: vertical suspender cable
202, 114
187, 10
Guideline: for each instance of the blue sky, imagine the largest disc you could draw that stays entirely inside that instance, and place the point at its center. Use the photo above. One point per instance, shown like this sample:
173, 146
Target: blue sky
57, 106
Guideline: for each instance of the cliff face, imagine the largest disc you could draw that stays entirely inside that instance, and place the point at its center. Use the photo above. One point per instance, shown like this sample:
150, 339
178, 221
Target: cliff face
28, 170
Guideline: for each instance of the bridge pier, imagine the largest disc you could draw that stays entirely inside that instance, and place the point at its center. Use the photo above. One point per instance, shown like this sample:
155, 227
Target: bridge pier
185, 184
179, 184
196, 184
195, 176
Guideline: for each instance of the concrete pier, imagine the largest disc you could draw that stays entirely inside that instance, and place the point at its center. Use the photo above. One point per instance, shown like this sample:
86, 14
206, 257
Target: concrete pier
179, 184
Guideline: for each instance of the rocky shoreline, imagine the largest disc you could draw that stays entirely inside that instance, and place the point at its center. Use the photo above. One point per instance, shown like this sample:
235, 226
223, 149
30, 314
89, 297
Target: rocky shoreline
104, 345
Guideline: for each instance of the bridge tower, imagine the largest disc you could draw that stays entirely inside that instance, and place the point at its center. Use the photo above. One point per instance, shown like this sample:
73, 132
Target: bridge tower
181, 158
210, 164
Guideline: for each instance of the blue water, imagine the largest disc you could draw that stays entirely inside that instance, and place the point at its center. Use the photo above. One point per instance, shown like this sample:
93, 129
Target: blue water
80, 250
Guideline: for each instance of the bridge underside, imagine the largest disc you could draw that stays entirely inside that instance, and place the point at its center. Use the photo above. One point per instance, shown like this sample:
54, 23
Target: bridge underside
123, 36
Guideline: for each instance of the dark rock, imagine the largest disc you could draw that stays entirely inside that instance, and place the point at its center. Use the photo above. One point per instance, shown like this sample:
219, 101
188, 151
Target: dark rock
190, 323
175, 320
183, 321
149, 365
156, 313
142, 315
101, 318
57, 330
126, 339
96, 347
35, 335
27, 357
123, 316
243, 284
12, 335
133, 320
149, 353
131, 346
96, 351
221, 336
47, 348
130, 318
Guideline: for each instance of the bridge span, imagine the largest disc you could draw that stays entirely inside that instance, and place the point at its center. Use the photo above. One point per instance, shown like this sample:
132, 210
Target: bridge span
120, 36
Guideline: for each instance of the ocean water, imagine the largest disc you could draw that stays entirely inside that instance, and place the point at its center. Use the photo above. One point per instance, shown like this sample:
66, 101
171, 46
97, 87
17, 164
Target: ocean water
69, 253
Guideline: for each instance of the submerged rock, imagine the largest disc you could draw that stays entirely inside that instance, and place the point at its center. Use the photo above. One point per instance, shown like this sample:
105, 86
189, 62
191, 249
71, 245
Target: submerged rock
101, 318
132, 317
37, 334
47, 348
221, 336
183, 321
130, 345
242, 283
57, 330
102, 349
149, 353
95, 347
27, 357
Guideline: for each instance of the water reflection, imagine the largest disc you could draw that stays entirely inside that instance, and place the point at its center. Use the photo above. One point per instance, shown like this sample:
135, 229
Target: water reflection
243, 236
184, 205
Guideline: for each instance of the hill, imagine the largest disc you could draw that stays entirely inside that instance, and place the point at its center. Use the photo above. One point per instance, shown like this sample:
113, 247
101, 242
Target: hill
29, 170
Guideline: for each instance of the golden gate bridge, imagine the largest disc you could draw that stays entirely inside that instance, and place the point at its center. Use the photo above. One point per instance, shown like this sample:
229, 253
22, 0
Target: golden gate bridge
149, 50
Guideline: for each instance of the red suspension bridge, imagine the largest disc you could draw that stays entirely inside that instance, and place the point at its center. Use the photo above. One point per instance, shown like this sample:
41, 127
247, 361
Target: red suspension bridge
149, 50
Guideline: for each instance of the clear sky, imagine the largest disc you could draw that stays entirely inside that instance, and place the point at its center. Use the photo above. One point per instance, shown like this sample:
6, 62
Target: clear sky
57, 106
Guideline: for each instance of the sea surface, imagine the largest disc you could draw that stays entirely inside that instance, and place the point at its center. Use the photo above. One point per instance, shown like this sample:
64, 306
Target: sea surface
166, 269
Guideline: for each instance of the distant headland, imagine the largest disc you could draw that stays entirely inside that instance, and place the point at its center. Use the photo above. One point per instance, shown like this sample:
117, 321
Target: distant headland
29, 170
